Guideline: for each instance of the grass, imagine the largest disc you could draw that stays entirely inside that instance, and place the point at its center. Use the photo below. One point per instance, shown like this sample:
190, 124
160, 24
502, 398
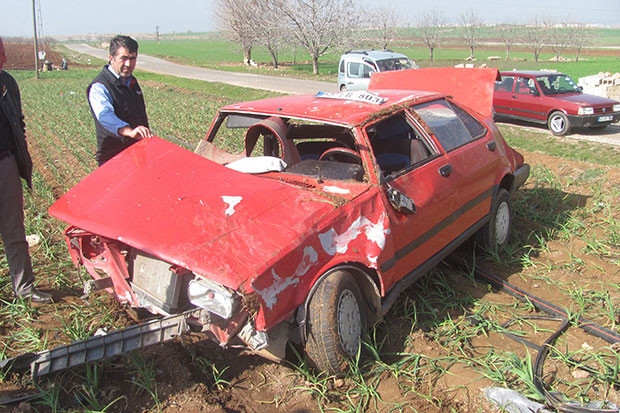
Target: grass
446, 311
217, 53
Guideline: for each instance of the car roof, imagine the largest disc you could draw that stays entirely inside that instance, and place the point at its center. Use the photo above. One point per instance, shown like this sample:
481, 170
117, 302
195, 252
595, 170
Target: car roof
333, 108
375, 54
531, 73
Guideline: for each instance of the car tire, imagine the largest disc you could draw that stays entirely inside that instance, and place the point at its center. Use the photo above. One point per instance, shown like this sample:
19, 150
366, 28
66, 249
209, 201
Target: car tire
495, 234
343, 88
558, 123
336, 323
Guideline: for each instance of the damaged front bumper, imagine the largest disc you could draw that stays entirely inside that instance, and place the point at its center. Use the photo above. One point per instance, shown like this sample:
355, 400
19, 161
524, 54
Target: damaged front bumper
140, 280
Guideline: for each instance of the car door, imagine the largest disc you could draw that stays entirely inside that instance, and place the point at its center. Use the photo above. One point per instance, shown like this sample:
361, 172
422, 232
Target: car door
451, 188
526, 100
502, 95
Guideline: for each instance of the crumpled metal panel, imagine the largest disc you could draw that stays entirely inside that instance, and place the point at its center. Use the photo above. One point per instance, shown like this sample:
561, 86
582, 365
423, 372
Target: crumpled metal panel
189, 211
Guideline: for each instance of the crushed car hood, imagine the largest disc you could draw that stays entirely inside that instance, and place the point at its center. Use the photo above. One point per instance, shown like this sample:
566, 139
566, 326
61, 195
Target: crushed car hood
473, 87
190, 211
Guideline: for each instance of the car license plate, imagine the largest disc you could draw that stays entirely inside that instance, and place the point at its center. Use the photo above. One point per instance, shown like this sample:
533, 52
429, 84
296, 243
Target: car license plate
605, 118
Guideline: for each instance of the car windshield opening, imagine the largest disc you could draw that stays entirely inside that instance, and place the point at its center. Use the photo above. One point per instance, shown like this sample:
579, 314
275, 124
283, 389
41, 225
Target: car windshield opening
557, 84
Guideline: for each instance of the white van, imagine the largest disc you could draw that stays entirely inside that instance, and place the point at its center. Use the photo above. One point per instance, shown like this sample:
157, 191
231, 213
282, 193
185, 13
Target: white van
356, 67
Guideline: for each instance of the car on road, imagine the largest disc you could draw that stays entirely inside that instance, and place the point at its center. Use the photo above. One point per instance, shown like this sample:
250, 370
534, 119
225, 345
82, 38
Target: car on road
553, 99
297, 218
357, 66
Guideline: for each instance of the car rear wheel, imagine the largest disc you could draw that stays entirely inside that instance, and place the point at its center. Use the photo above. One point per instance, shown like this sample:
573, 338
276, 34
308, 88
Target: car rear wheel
495, 234
336, 323
558, 123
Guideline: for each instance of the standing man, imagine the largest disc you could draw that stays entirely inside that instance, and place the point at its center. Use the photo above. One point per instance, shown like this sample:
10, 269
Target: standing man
15, 162
116, 101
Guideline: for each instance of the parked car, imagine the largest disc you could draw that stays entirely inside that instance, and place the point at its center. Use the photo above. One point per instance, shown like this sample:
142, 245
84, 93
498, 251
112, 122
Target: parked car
357, 66
553, 99
297, 219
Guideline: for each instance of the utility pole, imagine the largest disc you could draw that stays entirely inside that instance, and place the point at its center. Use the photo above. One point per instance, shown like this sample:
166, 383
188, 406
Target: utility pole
36, 41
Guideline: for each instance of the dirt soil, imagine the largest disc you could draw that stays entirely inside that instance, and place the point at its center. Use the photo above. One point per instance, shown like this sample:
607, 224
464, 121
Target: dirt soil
20, 56
258, 385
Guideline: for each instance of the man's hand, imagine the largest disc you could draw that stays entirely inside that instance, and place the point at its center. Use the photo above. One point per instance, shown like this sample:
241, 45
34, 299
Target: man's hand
139, 132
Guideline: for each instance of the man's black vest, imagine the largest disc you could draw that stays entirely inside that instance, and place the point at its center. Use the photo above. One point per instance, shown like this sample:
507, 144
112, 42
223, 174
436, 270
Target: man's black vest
128, 103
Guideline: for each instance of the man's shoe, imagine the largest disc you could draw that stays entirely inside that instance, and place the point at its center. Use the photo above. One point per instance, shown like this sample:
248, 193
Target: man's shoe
37, 296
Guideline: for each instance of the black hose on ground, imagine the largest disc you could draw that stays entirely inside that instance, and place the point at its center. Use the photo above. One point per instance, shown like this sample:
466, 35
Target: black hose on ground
554, 399
549, 308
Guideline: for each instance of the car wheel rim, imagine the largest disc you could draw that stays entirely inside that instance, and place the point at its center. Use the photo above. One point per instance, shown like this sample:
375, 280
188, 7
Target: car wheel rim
557, 124
502, 223
349, 322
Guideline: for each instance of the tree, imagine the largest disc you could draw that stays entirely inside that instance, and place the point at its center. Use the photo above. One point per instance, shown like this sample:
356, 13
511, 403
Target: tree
430, 24
508, 33
321, 25
534, 36
387, 20
268, 29
472, 25
559, 38
580, 37
234, 19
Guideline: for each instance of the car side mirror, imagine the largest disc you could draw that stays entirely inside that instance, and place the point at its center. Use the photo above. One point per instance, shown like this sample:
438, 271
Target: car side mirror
400, 201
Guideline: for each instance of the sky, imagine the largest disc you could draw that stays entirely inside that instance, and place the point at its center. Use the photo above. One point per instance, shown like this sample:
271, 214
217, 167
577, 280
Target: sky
75, 17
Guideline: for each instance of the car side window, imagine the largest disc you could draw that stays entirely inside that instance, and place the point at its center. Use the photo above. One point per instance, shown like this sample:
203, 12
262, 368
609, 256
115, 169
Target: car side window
354, 69
397, 144
525, 86
452, 126
505, 85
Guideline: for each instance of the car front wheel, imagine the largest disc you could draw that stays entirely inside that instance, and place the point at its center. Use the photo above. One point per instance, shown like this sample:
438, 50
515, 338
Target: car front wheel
558, 123
336, 323
495, 234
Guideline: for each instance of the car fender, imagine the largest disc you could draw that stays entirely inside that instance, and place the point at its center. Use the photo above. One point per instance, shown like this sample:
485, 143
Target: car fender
357, 236
367, 285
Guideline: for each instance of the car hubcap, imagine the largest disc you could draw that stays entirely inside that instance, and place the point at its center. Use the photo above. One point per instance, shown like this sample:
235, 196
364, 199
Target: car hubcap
502, 223
557, 124
349, 322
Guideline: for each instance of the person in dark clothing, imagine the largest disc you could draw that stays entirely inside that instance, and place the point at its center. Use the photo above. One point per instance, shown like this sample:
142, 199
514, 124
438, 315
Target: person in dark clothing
15, 162
117, 103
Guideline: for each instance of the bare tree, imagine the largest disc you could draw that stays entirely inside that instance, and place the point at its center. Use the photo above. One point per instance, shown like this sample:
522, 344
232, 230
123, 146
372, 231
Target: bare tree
235, 20
269, 30
472, 25
430, 24
559, 38
321, 25
580, 36
386, 17
507, 32
535, 35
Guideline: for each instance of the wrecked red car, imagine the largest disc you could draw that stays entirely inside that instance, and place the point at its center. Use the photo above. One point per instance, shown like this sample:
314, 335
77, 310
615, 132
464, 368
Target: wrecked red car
297, 218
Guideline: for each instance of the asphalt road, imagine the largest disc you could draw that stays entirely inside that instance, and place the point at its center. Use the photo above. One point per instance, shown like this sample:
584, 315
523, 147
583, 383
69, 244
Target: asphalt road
272, 83
610, 135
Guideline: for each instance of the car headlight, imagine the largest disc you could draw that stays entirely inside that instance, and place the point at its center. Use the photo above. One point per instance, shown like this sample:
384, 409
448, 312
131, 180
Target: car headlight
586, 111
617, 107
212, 297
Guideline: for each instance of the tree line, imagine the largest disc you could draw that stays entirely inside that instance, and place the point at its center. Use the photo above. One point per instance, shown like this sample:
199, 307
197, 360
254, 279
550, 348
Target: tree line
326, 26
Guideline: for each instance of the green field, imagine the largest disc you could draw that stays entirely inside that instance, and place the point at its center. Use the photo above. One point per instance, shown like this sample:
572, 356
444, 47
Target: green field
216, 53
